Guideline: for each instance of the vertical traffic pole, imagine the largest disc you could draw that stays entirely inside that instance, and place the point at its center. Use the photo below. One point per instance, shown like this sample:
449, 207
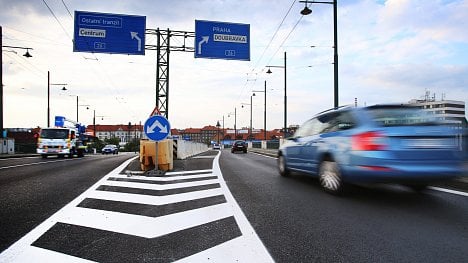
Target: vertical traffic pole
1, 84
156, 165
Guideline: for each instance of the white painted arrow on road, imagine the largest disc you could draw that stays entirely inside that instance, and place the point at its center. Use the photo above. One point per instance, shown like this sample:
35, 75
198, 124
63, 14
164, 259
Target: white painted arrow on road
156, 124
135, 36
204, 40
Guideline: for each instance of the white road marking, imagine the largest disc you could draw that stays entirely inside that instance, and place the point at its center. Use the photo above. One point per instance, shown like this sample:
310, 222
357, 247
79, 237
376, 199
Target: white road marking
159, 187
154, 200
246, 248
430, 187
165, 179
143, 226
204, 157
30, 164
448, 191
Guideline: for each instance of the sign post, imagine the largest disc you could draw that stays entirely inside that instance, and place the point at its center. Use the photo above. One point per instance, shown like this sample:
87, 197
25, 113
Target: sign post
109, 33
157, 128
222, 40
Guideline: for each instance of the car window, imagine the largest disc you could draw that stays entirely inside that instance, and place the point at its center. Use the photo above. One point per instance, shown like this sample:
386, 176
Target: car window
400, 116
339, 121
303, 129
311, 127
54, 133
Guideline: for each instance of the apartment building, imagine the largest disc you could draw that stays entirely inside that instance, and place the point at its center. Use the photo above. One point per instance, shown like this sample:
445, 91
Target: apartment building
123, 132
447, 111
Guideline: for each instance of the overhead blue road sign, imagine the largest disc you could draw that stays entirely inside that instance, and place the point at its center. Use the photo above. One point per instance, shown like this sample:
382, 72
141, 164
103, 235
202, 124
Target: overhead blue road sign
109, 33
222, 40
157, 128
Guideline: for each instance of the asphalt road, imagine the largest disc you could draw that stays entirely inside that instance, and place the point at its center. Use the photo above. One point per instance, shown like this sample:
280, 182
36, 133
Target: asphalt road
294, 220
298, 222
32, 189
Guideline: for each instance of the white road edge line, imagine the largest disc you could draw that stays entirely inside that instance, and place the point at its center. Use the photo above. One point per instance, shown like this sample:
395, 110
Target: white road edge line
448, 191
22, 249
246, 248
430, 187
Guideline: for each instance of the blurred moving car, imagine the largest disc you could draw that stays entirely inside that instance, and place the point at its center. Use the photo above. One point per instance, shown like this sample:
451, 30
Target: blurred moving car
216, 146
110, 149
239, 146
381, 143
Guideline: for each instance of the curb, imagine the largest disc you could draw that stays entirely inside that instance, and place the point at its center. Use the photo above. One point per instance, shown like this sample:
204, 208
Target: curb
18, 155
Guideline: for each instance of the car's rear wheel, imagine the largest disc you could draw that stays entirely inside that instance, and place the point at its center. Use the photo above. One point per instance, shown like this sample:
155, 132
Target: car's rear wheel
330, 177
282, 166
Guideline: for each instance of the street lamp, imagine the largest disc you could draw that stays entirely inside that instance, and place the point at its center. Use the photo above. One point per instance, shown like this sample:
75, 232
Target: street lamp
235, 122
285, 94
94, 121
264, 111
250, 129
217, 126
1, 75
77, 106
222, 129
307, 11
48, 95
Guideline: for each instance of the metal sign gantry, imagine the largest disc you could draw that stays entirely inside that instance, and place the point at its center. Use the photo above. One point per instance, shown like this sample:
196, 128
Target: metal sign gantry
163, 48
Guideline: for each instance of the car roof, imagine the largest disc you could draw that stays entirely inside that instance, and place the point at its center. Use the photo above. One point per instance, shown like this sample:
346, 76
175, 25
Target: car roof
376, 106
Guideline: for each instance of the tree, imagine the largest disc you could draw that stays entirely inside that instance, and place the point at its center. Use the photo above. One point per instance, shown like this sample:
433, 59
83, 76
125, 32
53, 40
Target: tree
132, 146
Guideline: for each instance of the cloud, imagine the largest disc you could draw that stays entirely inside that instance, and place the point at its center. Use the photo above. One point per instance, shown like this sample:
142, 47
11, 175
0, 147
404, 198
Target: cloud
389, 51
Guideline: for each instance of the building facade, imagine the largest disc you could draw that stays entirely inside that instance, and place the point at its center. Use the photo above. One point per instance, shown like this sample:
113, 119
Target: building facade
125, 133
446, 111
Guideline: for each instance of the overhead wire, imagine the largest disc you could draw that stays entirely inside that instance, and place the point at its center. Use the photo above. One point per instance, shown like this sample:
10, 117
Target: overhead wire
274, 34
68, 10
244, 88
269, 44
56, 18
107, 80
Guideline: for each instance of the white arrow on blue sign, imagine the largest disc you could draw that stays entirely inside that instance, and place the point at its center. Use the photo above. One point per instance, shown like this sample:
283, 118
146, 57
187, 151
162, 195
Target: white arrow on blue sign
221, 40
109, 33
157, 128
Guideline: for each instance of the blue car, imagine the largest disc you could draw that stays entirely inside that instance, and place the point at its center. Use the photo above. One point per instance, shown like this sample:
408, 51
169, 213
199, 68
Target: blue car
376, 144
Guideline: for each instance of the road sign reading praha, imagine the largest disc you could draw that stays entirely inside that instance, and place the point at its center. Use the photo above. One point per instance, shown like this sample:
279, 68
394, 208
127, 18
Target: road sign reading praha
109, 33
157, 128
222, 40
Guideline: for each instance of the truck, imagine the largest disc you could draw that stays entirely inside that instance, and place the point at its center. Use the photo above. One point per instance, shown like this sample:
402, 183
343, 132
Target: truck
67, 138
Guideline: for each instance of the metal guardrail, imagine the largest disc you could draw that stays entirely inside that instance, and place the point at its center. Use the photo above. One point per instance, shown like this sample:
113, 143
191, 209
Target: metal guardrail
273, 144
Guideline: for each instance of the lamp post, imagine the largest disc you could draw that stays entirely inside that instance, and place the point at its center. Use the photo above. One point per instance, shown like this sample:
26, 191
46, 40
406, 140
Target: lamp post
77, 107
235, 122
94, 122
285, 127
1, 75
48, 95
307, 11
250, 128
264, 111
217, 126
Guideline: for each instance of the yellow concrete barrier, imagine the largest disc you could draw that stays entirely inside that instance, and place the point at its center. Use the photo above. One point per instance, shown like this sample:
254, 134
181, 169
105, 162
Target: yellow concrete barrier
148, 155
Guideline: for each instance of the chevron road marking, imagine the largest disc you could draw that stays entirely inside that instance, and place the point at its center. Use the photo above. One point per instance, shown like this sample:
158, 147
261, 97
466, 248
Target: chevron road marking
185, 216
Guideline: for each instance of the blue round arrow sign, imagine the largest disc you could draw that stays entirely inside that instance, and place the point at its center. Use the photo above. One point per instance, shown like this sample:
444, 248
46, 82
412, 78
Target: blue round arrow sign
157, 128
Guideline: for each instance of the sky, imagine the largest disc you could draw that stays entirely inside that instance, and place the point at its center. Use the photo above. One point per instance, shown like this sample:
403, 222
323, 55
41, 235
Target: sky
389, 52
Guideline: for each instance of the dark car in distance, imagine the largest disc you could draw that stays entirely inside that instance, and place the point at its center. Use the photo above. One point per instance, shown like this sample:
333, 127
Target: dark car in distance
375, 144
239, 146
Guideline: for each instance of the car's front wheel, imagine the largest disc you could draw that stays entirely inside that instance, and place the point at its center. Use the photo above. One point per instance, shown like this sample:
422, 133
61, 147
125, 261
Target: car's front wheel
330, 177
282, 167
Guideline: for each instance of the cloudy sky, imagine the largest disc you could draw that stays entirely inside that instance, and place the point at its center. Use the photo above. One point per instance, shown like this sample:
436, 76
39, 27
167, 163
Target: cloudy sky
389, 52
